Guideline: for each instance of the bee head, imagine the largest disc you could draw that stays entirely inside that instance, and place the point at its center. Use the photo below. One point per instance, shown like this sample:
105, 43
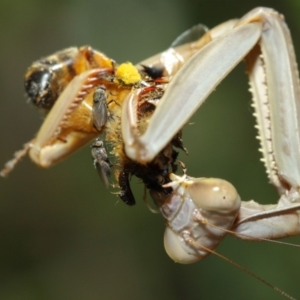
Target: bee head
40, 87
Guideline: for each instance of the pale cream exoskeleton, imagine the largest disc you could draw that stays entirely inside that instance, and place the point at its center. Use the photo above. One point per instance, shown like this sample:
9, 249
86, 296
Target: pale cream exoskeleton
196, 213
262, 38
197, 210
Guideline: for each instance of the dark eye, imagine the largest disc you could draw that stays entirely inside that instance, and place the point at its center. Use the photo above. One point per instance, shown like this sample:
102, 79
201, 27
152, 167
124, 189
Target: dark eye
40, 88
153, 72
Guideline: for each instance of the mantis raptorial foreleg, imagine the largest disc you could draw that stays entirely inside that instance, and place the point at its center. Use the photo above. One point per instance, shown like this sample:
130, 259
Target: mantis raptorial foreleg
263, 39
192, 71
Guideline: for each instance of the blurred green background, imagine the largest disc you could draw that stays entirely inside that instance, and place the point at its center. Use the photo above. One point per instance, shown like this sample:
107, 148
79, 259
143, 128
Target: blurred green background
62, 235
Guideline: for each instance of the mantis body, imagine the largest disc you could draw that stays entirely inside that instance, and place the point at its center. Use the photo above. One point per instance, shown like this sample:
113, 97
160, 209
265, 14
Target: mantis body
263, 39
197, 208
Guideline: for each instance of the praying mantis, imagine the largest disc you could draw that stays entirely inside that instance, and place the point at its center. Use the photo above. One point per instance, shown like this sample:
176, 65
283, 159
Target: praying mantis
172, 87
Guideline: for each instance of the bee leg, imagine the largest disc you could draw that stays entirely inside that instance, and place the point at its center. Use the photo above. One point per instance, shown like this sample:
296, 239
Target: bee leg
126, 194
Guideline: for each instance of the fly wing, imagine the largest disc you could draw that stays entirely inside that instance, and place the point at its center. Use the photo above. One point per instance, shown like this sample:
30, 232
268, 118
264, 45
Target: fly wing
101, 161
100, 107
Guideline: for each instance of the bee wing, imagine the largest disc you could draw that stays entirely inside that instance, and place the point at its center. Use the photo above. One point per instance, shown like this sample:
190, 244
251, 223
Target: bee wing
190, 35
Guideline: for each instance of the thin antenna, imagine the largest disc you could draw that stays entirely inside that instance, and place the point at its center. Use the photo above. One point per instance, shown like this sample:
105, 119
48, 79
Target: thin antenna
198, 246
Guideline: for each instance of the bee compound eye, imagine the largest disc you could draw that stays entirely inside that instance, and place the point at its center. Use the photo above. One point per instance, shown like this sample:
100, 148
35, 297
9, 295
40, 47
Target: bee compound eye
40, 88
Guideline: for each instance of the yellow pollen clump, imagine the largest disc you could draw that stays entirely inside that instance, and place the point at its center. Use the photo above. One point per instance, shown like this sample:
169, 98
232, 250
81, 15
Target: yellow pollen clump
128, 73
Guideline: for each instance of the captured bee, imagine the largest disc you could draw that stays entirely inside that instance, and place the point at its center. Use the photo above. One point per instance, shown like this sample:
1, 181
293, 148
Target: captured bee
101, 161
83, 92
48, 77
